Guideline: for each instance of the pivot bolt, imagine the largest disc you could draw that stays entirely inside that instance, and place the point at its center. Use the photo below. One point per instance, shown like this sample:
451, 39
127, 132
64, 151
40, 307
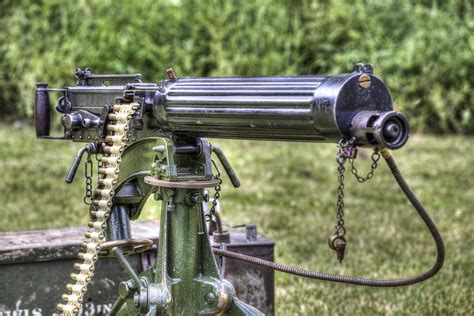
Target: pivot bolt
161, 170
126, 289
194, 198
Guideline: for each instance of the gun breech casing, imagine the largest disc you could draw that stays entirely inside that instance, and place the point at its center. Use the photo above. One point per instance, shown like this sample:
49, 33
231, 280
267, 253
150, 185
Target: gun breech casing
299, 108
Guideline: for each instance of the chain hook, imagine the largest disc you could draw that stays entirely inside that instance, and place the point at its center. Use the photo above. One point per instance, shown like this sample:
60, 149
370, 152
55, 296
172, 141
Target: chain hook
347, 151
375, 159
88, 172
217, 193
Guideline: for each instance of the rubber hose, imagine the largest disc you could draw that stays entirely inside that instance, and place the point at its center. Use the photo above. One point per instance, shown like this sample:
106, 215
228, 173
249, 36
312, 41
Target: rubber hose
358, 280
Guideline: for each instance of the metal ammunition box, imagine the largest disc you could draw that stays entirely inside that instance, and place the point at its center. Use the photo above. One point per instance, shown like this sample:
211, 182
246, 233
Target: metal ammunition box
35, 267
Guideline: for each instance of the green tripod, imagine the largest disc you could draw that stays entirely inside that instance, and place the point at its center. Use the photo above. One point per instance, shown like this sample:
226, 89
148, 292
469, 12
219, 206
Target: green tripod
185, 278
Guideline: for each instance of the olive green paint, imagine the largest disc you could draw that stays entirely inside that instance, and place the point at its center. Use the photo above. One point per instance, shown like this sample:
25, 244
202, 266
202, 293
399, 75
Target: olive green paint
185, 279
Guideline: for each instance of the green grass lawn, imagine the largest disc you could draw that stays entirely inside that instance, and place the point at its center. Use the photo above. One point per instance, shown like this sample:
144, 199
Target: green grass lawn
288, 190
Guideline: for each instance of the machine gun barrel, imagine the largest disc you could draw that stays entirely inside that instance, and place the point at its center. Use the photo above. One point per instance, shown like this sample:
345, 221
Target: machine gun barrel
294, 108
258, 108
298, 108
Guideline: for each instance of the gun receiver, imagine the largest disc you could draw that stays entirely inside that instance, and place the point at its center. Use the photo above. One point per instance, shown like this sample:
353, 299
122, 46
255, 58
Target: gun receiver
297, 108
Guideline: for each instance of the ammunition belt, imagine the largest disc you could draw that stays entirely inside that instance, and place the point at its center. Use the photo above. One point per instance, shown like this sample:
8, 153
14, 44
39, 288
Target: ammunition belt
118, 124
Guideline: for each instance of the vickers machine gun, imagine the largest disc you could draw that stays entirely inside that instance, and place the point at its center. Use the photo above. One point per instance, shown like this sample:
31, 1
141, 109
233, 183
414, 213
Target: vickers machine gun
151, 139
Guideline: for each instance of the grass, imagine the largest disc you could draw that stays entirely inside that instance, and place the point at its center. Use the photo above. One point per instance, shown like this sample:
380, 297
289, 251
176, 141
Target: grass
288, 190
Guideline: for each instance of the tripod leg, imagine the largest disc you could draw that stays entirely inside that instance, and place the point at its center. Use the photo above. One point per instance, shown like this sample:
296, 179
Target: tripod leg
185, 279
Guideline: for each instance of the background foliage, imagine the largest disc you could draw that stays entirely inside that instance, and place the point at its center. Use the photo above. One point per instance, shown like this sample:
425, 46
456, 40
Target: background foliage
423, 50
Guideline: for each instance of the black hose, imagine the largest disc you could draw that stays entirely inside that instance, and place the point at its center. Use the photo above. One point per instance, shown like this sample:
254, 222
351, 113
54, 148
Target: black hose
357, 280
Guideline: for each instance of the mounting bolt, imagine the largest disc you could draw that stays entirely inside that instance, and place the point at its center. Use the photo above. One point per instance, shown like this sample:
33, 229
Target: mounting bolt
161, 170
210, 298
197, 198
194, 198
364, 81
159, 149
158, 196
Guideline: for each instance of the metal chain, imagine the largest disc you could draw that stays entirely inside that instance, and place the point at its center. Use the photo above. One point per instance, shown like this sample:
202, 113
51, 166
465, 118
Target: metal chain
100, 164
99, 160
375, 159
88, 172
341, 160
347, 151
217, 194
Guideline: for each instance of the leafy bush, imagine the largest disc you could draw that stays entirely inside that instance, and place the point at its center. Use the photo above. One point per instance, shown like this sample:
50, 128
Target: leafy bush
423, 50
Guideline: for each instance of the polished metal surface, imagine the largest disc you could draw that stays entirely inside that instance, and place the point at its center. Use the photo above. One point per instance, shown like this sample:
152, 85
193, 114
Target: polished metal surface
298, 108
240, 107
